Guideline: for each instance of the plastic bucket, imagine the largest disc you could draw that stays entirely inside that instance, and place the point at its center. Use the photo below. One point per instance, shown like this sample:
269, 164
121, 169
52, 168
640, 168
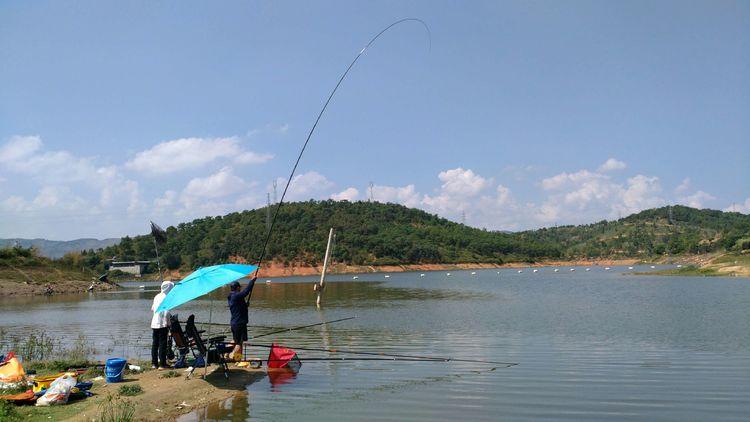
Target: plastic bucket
114, 368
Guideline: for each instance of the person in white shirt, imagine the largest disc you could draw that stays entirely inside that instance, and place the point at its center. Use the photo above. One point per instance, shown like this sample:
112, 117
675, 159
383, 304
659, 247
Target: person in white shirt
160, 329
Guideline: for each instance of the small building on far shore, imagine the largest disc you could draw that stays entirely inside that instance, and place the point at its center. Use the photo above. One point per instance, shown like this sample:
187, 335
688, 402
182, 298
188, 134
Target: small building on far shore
131, 267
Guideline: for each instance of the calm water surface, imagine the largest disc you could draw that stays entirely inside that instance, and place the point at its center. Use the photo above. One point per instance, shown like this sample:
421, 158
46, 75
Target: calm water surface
590, 345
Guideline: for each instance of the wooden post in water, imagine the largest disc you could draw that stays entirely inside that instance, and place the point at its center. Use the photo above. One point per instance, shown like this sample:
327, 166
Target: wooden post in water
319, 287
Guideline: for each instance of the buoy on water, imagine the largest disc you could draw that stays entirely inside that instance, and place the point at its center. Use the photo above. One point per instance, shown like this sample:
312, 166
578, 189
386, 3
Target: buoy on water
421, 275
557, 269
535, 270
473, 273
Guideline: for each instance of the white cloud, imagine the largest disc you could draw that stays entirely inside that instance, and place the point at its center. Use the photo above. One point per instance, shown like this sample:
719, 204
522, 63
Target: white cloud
217, 185
404, 195
310, 185
191, 153
684, 186
348, 194
19, 147
697, 200
741, 207
456, 193
462, 182
165, 202
641, 193
612, 164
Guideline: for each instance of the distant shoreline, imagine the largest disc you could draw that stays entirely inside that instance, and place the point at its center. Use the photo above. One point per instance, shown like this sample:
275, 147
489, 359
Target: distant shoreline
694, 265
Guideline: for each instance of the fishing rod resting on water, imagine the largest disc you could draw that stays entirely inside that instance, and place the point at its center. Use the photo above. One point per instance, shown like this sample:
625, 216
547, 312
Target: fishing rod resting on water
317, 120
393, 356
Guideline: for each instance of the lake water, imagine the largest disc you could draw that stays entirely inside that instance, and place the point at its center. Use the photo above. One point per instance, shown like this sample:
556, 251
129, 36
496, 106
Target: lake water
589, 345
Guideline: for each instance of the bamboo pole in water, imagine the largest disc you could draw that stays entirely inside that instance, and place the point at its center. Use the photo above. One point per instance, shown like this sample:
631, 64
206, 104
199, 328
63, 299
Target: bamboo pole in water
320, 286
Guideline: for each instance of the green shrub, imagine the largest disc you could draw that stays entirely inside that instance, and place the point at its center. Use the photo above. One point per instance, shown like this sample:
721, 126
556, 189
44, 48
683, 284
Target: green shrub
8, 412
115, 409
170, 374
131, 390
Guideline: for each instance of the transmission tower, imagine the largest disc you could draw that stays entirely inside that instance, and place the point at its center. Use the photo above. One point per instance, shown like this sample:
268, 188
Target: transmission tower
268, 211
274, 192
372, 197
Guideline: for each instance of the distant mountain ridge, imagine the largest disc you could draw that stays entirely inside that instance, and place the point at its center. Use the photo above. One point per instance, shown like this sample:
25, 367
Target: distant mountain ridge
58, 248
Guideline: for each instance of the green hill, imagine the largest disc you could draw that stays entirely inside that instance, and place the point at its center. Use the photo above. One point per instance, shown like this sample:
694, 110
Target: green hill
381, 234
668, 230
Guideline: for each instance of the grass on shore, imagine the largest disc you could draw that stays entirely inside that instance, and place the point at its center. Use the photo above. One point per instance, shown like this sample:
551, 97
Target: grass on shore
690, 270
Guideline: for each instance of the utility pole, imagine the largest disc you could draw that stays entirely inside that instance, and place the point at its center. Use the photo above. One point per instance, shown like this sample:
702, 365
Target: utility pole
320, 286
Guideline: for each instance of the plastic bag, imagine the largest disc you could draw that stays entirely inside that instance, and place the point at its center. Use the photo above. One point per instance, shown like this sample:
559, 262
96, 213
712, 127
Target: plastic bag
58, 392
11, 370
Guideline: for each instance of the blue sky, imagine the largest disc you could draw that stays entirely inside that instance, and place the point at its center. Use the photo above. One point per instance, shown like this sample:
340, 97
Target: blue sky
521, 115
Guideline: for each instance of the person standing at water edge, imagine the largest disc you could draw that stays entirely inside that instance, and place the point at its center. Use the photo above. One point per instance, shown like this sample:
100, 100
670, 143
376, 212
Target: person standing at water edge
238, 308
160, 328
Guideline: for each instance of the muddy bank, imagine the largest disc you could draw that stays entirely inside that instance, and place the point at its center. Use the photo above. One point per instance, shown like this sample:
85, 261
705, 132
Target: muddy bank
26, 288
29, 288
163, 399
280, 270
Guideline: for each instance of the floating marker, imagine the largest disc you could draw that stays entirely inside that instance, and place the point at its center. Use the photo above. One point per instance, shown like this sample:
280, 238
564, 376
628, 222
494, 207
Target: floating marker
630, 268
520, 271
387, 276
588, 269
473, 273
556, 270
652, 267
421, 275
572, 269
535, 270
448, 274
606, 268
355, 277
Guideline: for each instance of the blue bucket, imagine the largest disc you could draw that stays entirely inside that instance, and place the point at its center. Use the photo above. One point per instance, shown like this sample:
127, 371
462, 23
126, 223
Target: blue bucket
114, 368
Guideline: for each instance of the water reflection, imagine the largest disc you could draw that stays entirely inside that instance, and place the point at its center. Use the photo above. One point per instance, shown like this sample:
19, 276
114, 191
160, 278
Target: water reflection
591, 345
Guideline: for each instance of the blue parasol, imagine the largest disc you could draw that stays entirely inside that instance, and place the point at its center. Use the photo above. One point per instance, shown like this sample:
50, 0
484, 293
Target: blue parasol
202, 281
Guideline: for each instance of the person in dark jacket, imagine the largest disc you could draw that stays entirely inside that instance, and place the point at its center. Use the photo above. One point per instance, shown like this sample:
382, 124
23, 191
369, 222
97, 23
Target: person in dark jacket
238, 309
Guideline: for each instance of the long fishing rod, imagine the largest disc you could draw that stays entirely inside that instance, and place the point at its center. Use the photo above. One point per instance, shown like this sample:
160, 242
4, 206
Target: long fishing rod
419, 357
302, 326
317, 120
336, 359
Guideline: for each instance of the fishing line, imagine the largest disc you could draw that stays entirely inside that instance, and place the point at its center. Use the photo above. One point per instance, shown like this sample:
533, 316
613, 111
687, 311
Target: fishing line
303, 326
317, 120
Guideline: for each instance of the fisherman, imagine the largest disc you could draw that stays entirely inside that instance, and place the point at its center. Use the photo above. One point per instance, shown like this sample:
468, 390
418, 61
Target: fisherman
238, 309
160, 329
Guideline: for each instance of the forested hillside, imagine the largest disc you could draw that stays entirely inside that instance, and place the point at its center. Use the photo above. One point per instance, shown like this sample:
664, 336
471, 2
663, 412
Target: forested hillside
370, 233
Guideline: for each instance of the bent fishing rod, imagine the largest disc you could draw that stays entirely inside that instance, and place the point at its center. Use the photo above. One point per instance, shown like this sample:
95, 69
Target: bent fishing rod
315, 125
392, 355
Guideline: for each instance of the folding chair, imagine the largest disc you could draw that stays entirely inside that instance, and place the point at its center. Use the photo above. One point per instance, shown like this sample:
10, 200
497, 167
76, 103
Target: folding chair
201, 351
180, 340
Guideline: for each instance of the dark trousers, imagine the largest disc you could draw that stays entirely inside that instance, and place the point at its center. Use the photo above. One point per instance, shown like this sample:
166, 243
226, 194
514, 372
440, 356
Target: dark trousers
159, 346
